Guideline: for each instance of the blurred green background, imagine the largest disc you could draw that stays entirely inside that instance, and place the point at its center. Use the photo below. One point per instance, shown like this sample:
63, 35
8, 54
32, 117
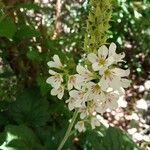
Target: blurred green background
31, 32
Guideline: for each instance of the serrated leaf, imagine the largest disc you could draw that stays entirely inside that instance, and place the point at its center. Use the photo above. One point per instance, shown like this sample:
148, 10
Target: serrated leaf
20, 138
7, 27
110, 139
30, 108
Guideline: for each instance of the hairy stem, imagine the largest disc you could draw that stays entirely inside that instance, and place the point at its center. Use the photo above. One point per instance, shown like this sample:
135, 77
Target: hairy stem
67, 134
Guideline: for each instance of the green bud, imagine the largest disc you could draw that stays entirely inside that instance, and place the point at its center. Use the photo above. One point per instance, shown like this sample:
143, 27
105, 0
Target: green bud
97, 24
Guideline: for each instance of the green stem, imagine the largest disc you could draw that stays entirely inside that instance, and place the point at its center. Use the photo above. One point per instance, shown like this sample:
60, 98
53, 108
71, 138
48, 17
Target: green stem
67, 134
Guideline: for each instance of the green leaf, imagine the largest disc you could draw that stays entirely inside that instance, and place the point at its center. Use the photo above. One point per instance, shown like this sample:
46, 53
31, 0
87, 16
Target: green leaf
110, 139
26, 31
116, 139
20, 138
30, 108
7, 27
33, 55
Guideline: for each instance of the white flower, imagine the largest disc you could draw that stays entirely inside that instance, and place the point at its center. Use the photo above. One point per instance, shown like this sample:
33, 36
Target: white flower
74, 81
56, 63
112, 54
95, 91
84, 73
113, 78
59, 92
81, 96
55, 80
110, 102
73, 103
84, 112
94, 122
80, 126
105, 57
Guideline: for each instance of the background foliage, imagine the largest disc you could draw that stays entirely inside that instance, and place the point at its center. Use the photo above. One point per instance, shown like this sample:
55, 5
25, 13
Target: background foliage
33, 31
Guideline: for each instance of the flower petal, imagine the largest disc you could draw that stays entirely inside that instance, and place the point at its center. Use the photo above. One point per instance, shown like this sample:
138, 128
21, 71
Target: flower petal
54, 92
103, 52
57, 60
52, 72
112, 49
121, 72
92, 57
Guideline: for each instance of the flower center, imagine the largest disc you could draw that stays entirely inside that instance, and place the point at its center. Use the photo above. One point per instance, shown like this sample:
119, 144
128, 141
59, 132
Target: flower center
102, 61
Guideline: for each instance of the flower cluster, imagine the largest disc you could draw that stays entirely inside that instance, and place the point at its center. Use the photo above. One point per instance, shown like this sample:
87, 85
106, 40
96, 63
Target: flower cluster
95, 87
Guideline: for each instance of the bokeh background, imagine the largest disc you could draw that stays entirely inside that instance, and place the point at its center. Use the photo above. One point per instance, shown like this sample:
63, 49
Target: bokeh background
31, 32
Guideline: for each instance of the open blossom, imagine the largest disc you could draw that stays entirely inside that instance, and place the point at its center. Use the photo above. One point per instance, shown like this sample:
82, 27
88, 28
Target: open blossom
56, 63
110, 102
73, 103
84, 112
93, 89
59, 92
114, 78
80, 96
75, 81
84, 74
80, 126
55, 80
105, 57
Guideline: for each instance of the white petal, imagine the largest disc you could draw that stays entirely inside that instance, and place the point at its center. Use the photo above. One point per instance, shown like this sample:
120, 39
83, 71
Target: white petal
61, 93
54, 92
51, 64
70, 106
57, 60
92, 57
103, 51
125, 83
52, 72
50, 80
96, 66
102, 70
121, 72
74, 93
112, 49
80, 69
115, 83
103, 84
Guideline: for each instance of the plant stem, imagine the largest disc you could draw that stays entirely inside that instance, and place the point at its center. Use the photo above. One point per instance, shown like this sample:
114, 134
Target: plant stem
67, 134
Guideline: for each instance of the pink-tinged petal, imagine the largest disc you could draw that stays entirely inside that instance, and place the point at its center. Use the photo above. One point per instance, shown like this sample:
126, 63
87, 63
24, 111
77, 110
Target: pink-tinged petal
57, 84
120, 72
112, 49
57, 60
61, 93
103, 52
92, 57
